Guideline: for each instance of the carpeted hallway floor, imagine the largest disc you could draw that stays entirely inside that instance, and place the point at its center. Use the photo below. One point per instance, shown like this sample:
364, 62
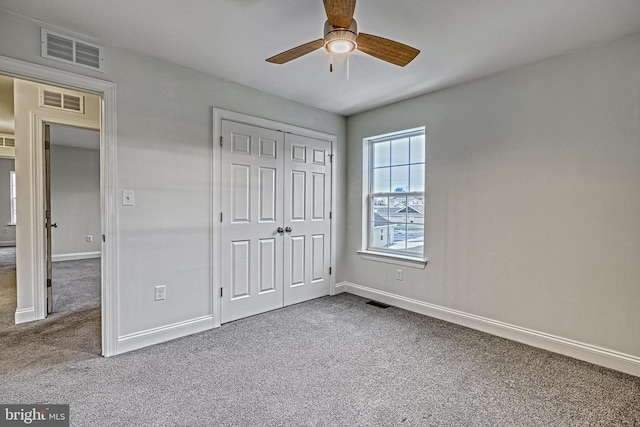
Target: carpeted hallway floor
71, 333
333, 361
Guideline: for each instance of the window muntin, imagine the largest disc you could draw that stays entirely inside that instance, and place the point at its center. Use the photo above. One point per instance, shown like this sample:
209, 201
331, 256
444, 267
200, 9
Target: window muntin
396, 193
12, 195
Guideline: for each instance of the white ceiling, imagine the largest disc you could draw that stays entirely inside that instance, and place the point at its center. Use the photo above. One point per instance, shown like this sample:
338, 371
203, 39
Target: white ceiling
460, 40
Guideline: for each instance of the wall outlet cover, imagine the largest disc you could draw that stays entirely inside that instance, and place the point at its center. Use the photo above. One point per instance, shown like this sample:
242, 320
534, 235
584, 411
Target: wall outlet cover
160, 292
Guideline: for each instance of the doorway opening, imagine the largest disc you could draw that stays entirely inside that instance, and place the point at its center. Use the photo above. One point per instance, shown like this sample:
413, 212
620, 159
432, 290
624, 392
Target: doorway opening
72, 187
63, 149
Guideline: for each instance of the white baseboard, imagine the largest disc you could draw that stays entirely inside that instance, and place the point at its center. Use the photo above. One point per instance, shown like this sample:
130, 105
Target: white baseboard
578, 350
25, 315
75, 256
8, 243
159, 335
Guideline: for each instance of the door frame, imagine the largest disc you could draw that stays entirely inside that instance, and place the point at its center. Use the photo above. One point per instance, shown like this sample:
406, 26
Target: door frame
108, 180
216, 200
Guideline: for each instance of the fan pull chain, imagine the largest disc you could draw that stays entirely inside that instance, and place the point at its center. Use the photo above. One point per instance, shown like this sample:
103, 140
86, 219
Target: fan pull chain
331, 63
348, 67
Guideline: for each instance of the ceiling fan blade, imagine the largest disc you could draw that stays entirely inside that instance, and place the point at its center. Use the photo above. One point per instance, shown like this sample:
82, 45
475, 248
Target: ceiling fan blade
296, 52
387, 50
340, 12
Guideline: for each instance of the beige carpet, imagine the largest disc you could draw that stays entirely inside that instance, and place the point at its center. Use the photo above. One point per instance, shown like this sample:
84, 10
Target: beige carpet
63, 337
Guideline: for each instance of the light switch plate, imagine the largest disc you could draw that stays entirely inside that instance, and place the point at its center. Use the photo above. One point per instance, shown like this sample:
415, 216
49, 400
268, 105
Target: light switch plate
128, 197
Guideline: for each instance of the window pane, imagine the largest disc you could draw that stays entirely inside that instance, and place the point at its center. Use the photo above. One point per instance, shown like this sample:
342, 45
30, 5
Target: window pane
381, 180
416, 178
12, 195
400, 152
415, 238
380, 210
398, 209
381, 230
381, 154
399, 237
415, 210
399, 179
417, 149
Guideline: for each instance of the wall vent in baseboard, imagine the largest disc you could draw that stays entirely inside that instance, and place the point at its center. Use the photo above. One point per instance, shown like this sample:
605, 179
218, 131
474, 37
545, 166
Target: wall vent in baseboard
7, 141
70, 50
62, 101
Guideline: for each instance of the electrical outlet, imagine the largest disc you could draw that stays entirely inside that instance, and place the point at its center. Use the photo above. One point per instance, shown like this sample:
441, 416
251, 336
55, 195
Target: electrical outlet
160, 292
89, 238
399, 275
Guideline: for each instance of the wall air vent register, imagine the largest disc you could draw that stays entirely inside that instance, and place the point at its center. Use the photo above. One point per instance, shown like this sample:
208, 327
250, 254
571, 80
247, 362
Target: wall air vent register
61, 101
70, 50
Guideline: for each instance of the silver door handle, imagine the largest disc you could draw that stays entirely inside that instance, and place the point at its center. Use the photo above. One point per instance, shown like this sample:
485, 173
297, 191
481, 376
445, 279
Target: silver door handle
287, 229
280, 230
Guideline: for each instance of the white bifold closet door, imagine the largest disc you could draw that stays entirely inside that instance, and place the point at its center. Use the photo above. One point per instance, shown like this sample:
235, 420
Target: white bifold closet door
276, 201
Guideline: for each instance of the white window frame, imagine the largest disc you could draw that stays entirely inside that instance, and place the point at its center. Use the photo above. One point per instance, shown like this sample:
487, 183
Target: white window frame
368, 251
13, 197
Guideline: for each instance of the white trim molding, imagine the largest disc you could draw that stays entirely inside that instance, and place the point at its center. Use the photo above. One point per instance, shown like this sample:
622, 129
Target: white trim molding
589, 353
25, 315
162, 334
75, 256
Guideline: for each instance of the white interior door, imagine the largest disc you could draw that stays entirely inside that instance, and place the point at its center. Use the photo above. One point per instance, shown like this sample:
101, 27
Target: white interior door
307, 201
276, 201
252, 215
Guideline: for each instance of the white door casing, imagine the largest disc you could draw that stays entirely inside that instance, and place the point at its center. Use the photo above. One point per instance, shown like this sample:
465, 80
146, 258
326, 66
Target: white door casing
34, 247
275, 220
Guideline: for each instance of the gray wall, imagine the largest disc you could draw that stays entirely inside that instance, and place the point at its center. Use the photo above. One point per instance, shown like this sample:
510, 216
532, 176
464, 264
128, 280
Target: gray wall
7, 233
532, 200
164, 137
75, 202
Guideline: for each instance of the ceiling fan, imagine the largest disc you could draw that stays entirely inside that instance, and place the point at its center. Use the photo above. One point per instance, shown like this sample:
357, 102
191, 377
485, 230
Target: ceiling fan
341, 37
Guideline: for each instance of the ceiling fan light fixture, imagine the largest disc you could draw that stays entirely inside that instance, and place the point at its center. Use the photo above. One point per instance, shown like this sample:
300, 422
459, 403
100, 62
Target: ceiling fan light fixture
340, 40
340, 46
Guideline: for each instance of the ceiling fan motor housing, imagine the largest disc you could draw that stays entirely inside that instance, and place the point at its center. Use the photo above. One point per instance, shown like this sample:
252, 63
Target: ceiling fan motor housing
340, 40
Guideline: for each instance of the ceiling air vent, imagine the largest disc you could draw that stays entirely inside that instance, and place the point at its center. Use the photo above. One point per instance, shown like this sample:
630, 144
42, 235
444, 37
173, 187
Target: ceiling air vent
62, 101
67, 49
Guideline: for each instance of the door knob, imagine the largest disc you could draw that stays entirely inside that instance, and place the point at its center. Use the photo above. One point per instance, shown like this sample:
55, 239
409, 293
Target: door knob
287, 229
280, 230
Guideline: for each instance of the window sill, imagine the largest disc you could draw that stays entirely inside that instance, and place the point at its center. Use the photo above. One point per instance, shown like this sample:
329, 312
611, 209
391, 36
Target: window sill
405, 261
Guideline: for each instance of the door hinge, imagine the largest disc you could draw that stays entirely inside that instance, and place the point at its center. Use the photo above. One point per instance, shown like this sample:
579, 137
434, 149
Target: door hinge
48, 283
330, 215
47, 214
220, 141
104, 239
47, 145
220, 292
220, 216
329, 270
330, 158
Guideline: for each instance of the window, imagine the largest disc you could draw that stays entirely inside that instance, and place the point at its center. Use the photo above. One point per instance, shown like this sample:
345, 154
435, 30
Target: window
12, 194
394, 187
